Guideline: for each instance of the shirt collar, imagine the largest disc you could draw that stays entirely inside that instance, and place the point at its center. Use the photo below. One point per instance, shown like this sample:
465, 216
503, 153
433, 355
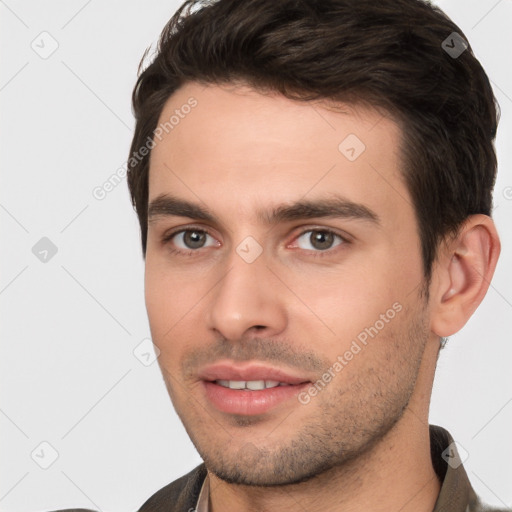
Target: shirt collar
204, 496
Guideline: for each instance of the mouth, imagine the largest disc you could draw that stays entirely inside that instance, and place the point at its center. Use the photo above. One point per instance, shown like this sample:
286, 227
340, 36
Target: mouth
252, 385
251, 388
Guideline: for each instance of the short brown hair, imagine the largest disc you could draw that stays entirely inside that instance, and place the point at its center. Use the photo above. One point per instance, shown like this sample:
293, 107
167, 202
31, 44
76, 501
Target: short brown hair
388, 54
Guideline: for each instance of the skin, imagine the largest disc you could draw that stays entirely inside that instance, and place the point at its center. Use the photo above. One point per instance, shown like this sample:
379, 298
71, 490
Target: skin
299, 305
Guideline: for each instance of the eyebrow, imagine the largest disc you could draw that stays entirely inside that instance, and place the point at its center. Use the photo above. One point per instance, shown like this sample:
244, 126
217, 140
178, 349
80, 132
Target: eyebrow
166, 205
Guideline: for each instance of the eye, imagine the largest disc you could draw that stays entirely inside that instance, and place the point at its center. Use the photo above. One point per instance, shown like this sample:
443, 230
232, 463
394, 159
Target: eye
319, 240
191, 239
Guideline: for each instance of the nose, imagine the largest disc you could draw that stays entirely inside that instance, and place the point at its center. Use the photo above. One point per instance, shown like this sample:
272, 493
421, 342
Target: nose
246, 300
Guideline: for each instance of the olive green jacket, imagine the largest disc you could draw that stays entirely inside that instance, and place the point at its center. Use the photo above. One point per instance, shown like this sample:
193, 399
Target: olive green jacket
456, 493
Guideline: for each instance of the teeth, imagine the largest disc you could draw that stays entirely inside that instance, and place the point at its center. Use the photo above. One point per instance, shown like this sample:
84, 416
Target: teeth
253, 385
236, 384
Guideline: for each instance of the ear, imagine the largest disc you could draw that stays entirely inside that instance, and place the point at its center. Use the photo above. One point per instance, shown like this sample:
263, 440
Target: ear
462, 274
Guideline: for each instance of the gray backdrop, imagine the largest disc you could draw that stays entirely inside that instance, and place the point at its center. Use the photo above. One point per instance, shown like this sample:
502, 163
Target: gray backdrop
85, 419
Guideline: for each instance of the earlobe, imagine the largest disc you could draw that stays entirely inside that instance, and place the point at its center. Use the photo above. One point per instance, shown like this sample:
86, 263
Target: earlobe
463, 274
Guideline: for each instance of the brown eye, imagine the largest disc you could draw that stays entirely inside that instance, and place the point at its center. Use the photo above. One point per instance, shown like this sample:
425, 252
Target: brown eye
194, 239
319, 240
189, 239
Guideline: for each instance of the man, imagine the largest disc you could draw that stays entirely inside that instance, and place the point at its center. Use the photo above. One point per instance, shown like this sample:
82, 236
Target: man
313, 181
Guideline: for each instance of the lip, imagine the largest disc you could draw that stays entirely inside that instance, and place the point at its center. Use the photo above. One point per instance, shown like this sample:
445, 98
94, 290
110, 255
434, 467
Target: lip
250, 403
247, 402
249, 371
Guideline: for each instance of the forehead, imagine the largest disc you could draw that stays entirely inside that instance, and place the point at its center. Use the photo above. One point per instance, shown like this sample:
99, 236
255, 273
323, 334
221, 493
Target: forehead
260, 149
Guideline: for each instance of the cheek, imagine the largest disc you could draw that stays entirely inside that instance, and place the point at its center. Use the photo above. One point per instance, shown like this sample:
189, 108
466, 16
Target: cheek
163, 298
154, 294
161, 284
382, 353
353, 311
172, 304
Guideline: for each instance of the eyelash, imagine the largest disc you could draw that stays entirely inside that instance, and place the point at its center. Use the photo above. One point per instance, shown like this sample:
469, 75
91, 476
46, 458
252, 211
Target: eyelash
315, 254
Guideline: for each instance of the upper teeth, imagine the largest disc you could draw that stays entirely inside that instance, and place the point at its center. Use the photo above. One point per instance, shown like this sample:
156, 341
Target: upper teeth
253, 385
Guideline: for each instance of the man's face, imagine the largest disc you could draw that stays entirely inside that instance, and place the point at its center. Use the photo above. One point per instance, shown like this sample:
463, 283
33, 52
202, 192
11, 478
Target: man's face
325, 300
